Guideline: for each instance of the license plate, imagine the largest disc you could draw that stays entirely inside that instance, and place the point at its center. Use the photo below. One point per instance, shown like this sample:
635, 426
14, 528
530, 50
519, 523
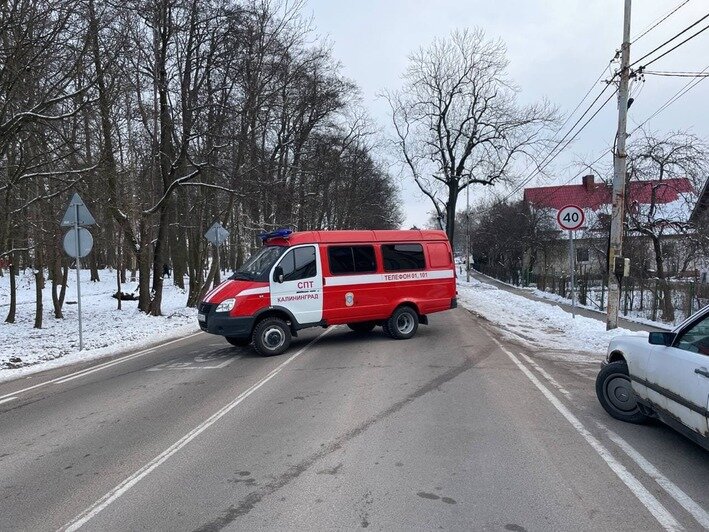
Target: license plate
202, 317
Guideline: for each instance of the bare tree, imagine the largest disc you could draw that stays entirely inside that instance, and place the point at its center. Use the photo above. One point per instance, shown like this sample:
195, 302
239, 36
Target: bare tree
457, 120
665, 164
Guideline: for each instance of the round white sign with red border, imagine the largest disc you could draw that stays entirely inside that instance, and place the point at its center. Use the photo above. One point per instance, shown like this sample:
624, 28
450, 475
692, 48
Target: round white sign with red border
570, 217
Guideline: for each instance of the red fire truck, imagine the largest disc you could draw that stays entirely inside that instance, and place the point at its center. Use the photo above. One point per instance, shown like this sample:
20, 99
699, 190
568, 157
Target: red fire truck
320, 278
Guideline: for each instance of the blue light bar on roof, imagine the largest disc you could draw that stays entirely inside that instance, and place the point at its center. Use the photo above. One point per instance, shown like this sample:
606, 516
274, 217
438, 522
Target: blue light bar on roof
278, 233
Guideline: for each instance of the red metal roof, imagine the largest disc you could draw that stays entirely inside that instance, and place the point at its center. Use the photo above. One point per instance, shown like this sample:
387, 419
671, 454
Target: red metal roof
556, 197
306, 237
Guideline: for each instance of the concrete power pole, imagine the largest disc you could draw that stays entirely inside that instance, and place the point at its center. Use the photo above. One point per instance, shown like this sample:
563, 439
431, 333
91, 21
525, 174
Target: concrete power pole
467, 233
619, 170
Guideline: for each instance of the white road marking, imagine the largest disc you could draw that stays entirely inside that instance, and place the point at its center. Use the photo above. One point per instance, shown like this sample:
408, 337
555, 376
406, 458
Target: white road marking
655, 507
187, 365
199, 360
144, 471
674, 491
7, 400
548, 377
86, 371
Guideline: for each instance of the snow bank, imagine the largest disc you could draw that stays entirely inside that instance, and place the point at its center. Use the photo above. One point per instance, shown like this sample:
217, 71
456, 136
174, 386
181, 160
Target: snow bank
106, 330
543, 327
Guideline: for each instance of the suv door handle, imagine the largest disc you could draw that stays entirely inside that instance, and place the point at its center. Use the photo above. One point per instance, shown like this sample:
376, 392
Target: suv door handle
702, 371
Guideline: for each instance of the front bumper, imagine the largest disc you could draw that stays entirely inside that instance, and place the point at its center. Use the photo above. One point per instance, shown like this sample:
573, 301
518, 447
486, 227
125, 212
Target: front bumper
223, 324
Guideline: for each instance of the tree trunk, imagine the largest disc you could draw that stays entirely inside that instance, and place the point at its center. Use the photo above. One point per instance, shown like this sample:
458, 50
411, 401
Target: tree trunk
38, 281
144, 268
450, 212
13, 290
159, 261
668, 310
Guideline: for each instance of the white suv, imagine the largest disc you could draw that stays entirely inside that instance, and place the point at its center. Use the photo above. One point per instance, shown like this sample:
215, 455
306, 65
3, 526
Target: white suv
665, 376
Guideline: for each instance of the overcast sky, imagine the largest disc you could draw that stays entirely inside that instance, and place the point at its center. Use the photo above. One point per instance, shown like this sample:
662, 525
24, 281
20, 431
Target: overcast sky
556, 48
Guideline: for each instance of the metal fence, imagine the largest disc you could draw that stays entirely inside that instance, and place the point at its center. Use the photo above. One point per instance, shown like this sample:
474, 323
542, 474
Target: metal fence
640, 297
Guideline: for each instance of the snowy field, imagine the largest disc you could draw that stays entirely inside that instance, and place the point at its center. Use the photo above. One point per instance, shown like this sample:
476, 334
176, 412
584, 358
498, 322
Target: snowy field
542, 327
106, 329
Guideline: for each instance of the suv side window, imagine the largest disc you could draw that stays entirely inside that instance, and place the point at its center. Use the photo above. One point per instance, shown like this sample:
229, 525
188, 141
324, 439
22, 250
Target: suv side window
299, 263
696, 338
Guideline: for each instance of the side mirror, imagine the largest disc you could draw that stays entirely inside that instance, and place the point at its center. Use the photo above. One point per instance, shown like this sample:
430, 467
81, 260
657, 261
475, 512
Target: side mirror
661, 338
278, 274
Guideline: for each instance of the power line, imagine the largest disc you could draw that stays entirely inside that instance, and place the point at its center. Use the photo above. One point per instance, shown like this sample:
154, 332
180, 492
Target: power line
568, 118
676, 96
607, 151
685, 30
547, 161
675, 47
675, 74
660, 21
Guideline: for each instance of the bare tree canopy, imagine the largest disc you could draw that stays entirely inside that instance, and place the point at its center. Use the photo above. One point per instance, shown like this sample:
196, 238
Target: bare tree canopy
167, 115
457, 121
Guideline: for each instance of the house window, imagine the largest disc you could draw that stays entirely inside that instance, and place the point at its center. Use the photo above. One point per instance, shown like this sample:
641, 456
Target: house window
582, 255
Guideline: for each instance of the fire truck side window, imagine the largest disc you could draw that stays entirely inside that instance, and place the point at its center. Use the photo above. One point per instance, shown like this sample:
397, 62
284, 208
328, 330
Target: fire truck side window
299, 263
403, 257
351, 259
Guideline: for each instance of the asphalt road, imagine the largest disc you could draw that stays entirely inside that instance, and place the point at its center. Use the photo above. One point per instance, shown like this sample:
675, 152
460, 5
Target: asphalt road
449, 430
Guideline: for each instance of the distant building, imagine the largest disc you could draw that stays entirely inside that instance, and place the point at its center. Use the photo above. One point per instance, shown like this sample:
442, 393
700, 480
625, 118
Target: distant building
668, 201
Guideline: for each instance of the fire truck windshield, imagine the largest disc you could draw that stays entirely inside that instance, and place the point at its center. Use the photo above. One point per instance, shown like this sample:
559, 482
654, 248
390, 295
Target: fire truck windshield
259, 265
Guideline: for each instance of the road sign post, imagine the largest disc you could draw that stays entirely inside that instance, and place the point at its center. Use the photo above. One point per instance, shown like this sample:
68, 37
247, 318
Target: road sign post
571, 218
78, 243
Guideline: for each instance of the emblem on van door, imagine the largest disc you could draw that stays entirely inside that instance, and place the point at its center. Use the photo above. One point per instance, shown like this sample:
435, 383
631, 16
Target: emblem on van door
349, 299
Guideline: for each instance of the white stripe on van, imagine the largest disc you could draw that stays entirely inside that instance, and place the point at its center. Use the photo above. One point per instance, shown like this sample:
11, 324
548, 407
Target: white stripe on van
254, 291
393, 277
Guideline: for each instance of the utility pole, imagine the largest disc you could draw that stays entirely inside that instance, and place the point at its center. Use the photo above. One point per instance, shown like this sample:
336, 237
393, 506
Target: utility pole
619, 169
467, 232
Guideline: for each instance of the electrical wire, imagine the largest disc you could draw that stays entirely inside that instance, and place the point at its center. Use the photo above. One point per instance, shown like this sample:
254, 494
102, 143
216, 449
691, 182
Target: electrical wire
568, 118
675, 47
676, 96
676, 74
658, 22
576, 176
685, 30
547, 161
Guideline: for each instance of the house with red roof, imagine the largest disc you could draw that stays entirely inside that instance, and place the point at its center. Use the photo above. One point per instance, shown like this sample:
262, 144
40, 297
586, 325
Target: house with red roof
657, 208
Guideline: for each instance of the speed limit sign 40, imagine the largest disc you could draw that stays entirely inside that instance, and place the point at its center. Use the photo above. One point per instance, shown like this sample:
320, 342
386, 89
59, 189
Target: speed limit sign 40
570, 217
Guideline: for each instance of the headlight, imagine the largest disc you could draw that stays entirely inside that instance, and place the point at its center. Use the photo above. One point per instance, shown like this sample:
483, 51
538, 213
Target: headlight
226, 305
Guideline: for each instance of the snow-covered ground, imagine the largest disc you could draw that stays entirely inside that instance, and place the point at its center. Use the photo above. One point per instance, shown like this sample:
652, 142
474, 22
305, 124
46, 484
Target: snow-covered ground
106, 330
541, 326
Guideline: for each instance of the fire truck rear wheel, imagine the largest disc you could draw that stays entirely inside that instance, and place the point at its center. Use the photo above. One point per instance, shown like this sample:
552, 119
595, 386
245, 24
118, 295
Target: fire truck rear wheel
272, 336
403, 323
362, 326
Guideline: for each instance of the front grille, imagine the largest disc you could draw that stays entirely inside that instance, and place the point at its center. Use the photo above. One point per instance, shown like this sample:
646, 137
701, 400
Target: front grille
204, 308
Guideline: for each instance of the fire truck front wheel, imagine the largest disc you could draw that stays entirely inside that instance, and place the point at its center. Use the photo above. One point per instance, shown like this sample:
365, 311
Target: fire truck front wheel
403, 323
272, 336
